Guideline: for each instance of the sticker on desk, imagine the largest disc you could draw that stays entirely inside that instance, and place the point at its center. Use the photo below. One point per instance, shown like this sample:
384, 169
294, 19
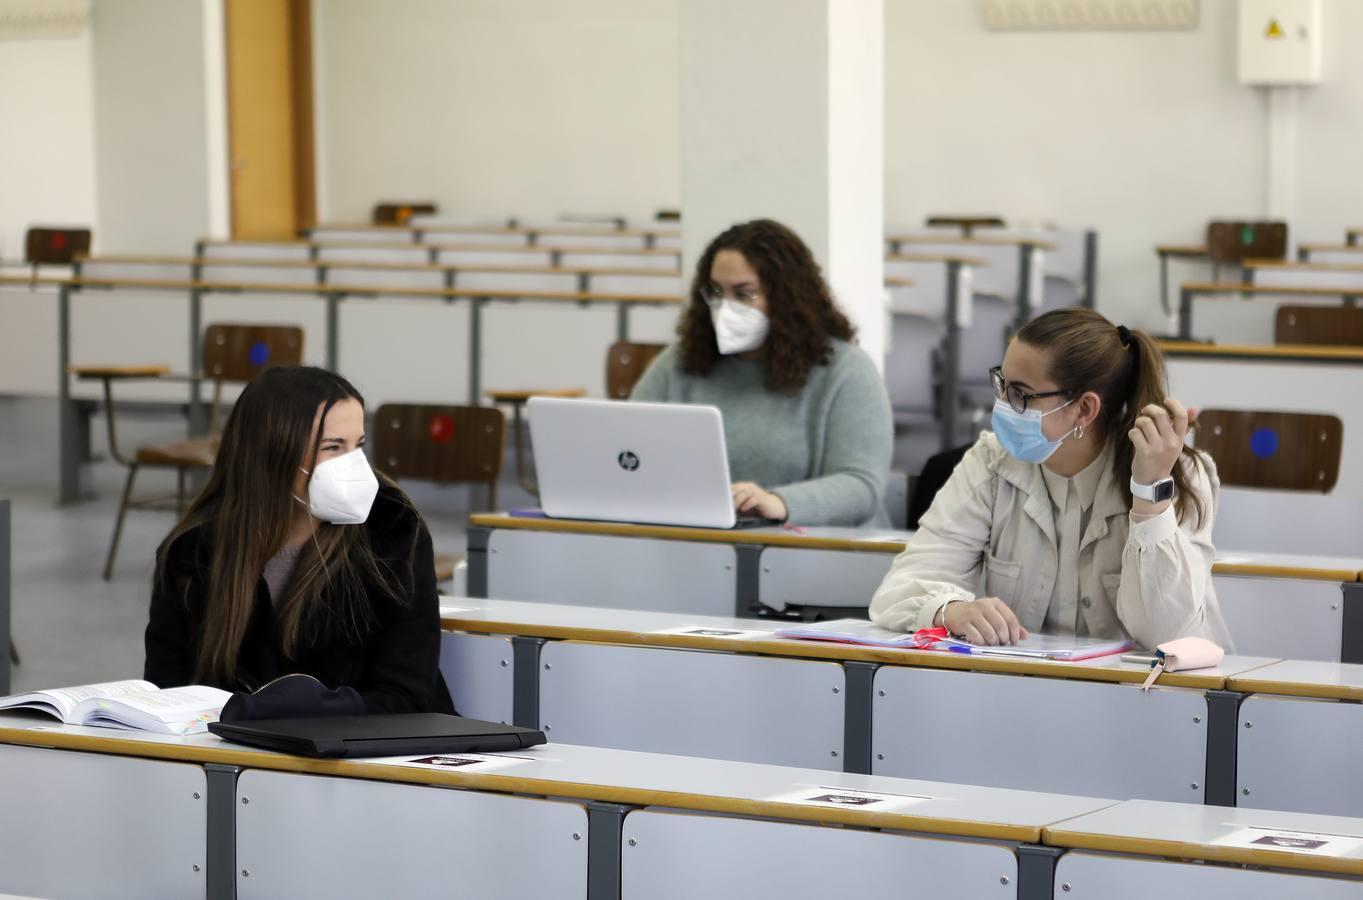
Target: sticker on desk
733, 634
482, 762
1255, 838
834, 798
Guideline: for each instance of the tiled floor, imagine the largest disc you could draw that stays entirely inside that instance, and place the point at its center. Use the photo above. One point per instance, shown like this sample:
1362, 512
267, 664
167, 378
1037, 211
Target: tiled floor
70, 625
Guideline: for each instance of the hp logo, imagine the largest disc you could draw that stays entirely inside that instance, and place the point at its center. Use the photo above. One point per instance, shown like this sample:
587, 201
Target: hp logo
627, 460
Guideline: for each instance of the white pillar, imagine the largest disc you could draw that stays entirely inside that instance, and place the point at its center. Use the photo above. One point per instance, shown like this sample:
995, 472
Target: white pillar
782, 117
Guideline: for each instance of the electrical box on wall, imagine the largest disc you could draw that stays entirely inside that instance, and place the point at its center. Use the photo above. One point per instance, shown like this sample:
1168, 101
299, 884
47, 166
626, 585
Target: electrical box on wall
1280, 41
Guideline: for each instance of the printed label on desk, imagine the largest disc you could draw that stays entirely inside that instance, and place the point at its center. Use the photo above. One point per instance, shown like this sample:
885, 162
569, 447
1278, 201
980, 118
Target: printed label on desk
1256, 838
733, 634
482, 762
833, 798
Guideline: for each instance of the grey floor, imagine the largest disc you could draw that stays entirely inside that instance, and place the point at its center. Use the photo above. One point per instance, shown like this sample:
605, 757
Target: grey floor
72, 627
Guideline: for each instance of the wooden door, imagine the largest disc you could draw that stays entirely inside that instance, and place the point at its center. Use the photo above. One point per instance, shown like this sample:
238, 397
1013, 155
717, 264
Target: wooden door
269, 108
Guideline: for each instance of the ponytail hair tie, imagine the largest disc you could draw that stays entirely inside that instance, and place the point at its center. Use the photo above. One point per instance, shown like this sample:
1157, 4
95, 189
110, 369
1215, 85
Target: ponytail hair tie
1124, 334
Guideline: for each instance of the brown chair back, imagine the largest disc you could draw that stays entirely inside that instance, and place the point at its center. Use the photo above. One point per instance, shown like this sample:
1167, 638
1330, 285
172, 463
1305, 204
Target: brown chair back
55, 246
444, 444
1287, 451
1235, 242
625, 365
399, 213
1340, 326
241, 352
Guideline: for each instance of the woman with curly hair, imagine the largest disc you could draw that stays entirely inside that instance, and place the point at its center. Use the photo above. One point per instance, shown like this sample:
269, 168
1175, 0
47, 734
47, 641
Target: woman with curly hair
806, 418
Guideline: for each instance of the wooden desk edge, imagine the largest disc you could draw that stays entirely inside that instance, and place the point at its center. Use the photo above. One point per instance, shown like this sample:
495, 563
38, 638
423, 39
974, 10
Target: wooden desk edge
1057, 836
831, 651
1267, 352
1182, 250
1301, 573
1249, 684
642, 797
670, 532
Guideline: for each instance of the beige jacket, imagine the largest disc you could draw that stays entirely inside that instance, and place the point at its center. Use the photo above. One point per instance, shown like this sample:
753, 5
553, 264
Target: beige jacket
992, 528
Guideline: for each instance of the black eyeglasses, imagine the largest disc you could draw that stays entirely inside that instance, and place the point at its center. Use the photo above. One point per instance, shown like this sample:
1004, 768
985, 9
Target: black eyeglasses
1017, 398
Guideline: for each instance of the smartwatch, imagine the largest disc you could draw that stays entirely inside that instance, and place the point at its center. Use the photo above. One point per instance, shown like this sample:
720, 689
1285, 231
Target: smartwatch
1155, 493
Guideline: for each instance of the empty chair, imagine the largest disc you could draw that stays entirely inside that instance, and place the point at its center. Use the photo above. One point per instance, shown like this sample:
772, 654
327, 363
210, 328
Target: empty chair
401, 213
1329, 325
380, 234
626, 363
569, 237
55, 246
496, 235
231, 353
1286, 451
443, 445
1233, 242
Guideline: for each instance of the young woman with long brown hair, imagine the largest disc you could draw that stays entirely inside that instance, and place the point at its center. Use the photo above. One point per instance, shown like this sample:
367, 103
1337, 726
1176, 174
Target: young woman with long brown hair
807, 422
297, 558
1083, 510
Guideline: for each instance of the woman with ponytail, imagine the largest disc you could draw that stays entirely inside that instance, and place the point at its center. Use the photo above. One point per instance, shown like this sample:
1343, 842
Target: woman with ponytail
297, 559
1083, 512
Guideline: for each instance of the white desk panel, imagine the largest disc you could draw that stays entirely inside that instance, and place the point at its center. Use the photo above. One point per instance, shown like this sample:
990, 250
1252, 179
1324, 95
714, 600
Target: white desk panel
1094, 876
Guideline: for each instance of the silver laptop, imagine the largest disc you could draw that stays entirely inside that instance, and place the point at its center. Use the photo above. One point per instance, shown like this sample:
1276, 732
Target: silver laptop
608, 460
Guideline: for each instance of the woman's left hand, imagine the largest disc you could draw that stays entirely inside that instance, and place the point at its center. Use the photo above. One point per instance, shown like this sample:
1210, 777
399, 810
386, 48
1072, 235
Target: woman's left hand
1158, 440
751, 500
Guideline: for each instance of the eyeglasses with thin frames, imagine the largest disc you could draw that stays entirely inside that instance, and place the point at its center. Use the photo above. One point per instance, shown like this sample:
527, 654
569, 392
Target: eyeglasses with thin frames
1017, 398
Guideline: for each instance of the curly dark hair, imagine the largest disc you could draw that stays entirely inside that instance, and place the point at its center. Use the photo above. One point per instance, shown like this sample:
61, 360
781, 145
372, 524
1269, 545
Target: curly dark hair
799, 304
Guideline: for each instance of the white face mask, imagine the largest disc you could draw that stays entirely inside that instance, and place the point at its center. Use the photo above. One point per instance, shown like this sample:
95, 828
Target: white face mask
739, 327
342, 489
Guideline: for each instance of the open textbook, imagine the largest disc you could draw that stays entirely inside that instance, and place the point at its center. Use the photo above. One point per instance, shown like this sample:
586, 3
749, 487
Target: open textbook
1036, 646
132, 705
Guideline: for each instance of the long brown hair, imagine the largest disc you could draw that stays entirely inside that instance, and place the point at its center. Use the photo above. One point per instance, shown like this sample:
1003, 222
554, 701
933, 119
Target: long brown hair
1126, 370
244, 512
800, 306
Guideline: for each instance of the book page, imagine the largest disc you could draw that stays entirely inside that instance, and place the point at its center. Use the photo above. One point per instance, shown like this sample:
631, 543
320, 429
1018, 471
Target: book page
183, 710
63, 701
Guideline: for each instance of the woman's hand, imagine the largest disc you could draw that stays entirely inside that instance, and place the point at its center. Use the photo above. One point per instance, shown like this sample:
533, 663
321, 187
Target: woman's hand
986, 620
751, 500
1158, 438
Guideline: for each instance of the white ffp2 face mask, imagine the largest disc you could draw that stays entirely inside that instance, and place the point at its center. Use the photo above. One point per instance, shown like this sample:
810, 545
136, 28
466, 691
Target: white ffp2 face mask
739, 327
342, 489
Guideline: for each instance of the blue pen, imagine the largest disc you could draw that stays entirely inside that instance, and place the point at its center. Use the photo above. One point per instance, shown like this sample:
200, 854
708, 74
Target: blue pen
954, 648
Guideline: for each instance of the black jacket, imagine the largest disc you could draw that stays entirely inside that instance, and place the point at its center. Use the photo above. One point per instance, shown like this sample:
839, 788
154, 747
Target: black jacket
395, 667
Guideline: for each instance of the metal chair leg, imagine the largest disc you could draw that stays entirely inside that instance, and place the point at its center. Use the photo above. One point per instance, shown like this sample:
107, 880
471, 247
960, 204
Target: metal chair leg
180, 474
491, 496
118, 523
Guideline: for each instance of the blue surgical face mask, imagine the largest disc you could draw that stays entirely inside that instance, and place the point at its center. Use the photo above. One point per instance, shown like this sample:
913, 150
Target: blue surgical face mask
1021, 435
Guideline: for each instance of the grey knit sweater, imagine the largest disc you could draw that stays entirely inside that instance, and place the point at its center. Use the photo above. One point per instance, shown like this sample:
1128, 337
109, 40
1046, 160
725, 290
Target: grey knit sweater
824, 449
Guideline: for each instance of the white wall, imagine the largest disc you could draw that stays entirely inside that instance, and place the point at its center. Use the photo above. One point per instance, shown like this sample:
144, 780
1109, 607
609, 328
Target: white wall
47, 156
536, 107
1144, 135
151, 126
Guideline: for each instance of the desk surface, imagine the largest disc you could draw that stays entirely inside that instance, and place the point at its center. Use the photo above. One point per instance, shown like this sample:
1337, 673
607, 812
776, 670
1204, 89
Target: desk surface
432, 245
1188, 831
1240, 291
936, 258
1331, 247
640, 628
1287, 565
1263, 565
227, 262
1264, 352
1328, 680
1183, 251
567, 229
1295, 266
973, 240
619, 776
321, 290
813, 538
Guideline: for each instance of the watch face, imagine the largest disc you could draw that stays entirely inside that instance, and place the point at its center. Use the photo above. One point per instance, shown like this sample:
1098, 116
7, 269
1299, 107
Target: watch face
1164, 490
